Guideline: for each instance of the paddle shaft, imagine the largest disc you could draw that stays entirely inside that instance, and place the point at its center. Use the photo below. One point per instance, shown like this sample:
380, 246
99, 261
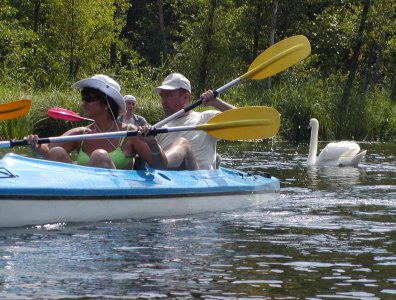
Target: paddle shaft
206, 127
105, 135
69, 138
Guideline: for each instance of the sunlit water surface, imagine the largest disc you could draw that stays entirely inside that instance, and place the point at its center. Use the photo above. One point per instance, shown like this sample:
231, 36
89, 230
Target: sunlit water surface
331, 235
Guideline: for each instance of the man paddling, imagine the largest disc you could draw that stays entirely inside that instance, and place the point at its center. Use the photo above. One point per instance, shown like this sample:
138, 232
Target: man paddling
188, 149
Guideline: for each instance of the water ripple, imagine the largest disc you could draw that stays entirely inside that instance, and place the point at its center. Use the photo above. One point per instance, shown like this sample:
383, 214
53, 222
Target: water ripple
330, 235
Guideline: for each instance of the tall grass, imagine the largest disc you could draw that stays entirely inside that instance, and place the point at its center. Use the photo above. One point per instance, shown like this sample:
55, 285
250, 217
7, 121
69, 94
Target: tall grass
37, 121
379, 116
369, 117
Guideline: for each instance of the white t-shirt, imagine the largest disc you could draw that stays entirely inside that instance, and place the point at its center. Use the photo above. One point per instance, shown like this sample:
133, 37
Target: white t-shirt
203, 145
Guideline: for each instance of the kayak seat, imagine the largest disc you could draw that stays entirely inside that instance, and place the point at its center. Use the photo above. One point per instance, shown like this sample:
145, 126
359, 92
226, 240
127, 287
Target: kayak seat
140, 164
218, 160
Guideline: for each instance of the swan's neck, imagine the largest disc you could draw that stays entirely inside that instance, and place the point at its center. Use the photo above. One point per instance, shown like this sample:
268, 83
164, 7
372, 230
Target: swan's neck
313, 145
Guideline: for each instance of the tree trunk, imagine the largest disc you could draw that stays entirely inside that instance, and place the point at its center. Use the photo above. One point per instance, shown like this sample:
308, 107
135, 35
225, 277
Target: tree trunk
379, 60
113, 54
162, 29
272, 33
36, 14
207, 45
257, 28
273, 22
353, 65
393, 94
369, 68
72, 71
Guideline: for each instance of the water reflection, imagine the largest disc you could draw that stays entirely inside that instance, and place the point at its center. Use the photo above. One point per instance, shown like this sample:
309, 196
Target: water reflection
331, 235
333, 178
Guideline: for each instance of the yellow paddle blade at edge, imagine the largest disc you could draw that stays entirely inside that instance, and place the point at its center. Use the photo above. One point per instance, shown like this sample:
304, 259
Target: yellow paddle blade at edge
245, 123
15, 109
279, 57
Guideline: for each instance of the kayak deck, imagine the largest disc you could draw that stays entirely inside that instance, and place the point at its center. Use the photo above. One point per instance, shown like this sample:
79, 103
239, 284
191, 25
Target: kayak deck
31, 178
34, 191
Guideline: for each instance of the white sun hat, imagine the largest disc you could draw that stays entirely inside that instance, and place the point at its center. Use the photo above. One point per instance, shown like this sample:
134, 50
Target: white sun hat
129, 98
106, 85
174, 81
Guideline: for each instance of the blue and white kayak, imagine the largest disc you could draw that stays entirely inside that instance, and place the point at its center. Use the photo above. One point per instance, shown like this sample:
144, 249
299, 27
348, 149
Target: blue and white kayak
34, 192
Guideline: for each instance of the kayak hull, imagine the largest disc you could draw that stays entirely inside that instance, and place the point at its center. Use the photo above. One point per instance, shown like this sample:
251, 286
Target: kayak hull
36, 212
35, 192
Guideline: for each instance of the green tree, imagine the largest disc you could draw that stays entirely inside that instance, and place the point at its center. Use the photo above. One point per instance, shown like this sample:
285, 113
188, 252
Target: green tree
80, 43
58, 41
213, 49
353, 63
16, 43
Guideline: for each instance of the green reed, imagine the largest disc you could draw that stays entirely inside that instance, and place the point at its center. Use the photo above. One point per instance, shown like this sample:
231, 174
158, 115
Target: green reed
371, 116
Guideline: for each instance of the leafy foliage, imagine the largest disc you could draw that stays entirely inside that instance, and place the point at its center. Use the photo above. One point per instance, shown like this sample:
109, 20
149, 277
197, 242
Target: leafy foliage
45, 46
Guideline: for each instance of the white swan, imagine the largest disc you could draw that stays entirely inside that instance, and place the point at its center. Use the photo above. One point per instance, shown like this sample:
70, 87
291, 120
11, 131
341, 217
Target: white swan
334, 154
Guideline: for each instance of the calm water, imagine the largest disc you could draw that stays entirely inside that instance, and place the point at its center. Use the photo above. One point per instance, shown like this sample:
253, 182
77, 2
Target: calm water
331, 236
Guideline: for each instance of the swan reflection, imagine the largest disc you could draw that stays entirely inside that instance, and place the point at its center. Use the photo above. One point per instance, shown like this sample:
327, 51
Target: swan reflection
334, 177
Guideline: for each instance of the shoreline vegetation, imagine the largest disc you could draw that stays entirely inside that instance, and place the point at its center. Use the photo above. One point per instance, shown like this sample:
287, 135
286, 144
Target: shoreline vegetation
348, 82
372, 117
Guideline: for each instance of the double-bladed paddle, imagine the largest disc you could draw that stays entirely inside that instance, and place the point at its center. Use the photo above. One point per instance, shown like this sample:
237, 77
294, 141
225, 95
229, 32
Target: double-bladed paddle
245, 123
65, 114
275, 59
15, 109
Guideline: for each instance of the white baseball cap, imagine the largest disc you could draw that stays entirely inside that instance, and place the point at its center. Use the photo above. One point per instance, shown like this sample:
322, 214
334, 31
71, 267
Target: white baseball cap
106, 85
174, 81
129, 98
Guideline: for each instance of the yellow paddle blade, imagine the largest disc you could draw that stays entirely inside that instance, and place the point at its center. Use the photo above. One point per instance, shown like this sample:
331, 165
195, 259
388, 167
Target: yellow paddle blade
14, 109
245, 123
279, 57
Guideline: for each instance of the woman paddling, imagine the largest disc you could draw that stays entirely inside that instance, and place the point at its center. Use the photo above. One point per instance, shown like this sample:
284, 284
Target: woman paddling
102, 102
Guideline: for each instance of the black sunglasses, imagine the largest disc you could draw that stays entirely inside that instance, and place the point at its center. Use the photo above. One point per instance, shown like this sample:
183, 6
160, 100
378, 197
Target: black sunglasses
89, 97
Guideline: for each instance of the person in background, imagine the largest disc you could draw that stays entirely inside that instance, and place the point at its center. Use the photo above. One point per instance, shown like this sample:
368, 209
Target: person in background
102, 102
189, 150
130, 117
